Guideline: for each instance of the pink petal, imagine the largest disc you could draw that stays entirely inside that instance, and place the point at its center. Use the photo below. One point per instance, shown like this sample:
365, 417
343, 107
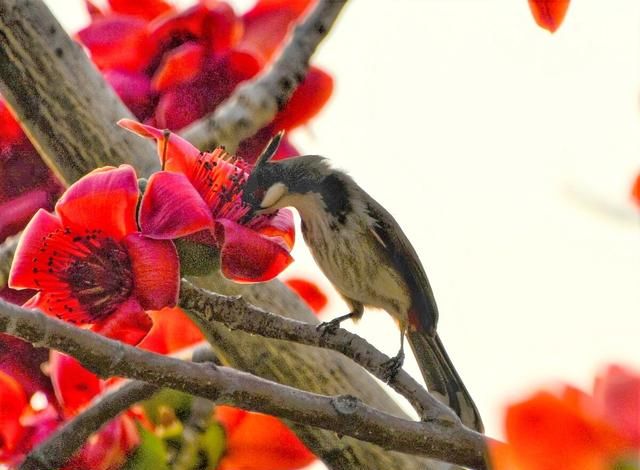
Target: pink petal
179, 66
106, 199
117, 42
172, 208
17, 211
134, 89
181, 156
129, 323
156, 271
246, 256
21, 275
268, 22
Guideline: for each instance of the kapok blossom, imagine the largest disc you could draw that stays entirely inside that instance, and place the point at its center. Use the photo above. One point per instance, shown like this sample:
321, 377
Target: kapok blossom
199, 196
549, 14
573, 430
89, 263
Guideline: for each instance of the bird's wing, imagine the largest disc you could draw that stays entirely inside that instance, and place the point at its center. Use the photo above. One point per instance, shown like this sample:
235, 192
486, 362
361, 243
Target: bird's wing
424, 314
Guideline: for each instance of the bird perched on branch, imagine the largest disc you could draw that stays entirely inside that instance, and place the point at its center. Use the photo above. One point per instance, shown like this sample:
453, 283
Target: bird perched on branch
366, 256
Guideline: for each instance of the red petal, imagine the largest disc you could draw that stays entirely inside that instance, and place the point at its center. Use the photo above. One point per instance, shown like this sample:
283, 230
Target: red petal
74, 385
180, 65
310, 293
247, 256
156, 271
21, 275
106, 199
147, 9
172, 330
258, 441
181, 156
250, 148
117, 42
10, 130
618, 394
280, 226
172, 208
635, 191
308, 99
268, 22
549, 14
12, 403
129, 323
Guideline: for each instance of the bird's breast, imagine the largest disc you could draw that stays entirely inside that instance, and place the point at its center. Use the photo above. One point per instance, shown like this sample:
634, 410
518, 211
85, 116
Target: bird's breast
349, 256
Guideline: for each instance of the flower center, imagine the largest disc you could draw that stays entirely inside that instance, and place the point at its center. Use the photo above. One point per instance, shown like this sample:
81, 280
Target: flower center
86, 276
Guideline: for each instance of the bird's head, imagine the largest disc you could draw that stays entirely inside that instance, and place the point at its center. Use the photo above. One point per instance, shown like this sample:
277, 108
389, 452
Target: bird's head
276, 184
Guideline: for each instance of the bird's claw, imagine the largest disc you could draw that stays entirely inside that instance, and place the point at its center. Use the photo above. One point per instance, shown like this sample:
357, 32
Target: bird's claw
392, 366
328, 327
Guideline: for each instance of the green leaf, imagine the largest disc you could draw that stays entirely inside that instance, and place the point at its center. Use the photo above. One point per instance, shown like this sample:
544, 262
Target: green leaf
150, 455
166, 398
213, 442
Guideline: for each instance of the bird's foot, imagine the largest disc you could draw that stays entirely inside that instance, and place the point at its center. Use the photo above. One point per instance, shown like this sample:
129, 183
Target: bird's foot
392, 366
329, 327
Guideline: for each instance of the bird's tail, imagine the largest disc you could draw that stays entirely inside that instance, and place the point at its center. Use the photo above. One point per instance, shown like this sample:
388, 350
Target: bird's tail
442, 379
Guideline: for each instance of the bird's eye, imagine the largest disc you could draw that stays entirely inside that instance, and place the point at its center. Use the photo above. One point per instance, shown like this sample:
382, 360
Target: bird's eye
258, 195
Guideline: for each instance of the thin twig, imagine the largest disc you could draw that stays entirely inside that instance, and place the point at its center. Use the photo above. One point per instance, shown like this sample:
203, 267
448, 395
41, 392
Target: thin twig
237, 314
342, 414
255, 103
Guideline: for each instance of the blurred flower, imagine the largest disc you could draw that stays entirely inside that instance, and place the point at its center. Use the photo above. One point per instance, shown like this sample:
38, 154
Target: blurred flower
199, 195
635, 191
89, 263
309, 292
255, 441
172, 67
172, 330
26, 184
572, 430
549, 14
75, 388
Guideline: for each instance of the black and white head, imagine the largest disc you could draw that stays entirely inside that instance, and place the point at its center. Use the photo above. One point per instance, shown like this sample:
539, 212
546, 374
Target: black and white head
293, 182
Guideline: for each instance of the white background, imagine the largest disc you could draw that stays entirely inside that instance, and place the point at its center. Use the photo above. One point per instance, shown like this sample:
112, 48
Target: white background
507, 155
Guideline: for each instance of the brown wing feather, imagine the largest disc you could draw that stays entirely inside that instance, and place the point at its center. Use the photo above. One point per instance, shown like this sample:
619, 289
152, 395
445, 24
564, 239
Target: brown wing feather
424, 311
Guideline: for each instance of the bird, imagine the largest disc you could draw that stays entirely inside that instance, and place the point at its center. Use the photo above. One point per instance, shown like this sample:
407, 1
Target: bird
366, 256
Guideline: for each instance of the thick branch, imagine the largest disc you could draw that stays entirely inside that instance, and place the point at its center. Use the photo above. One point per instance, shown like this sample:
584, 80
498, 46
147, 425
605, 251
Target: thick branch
62, 101
255, 103
237, 314
343, 414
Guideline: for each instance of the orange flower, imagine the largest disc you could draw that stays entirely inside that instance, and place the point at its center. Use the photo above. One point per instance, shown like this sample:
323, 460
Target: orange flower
255, 442
573, 430
549, 14
635, 191
309, 292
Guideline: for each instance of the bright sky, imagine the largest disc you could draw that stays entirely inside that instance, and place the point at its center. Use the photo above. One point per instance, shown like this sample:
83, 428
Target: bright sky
506, 154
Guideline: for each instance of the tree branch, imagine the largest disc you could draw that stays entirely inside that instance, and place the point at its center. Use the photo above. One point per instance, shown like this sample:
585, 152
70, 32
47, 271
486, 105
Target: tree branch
237, 314
342, 414
255, 103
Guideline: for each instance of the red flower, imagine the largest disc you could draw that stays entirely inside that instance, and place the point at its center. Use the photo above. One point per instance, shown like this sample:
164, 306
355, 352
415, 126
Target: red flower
182, 65
549, 14
573, 430
309, 292
89, 263
255, 441
200, 194
13, 401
